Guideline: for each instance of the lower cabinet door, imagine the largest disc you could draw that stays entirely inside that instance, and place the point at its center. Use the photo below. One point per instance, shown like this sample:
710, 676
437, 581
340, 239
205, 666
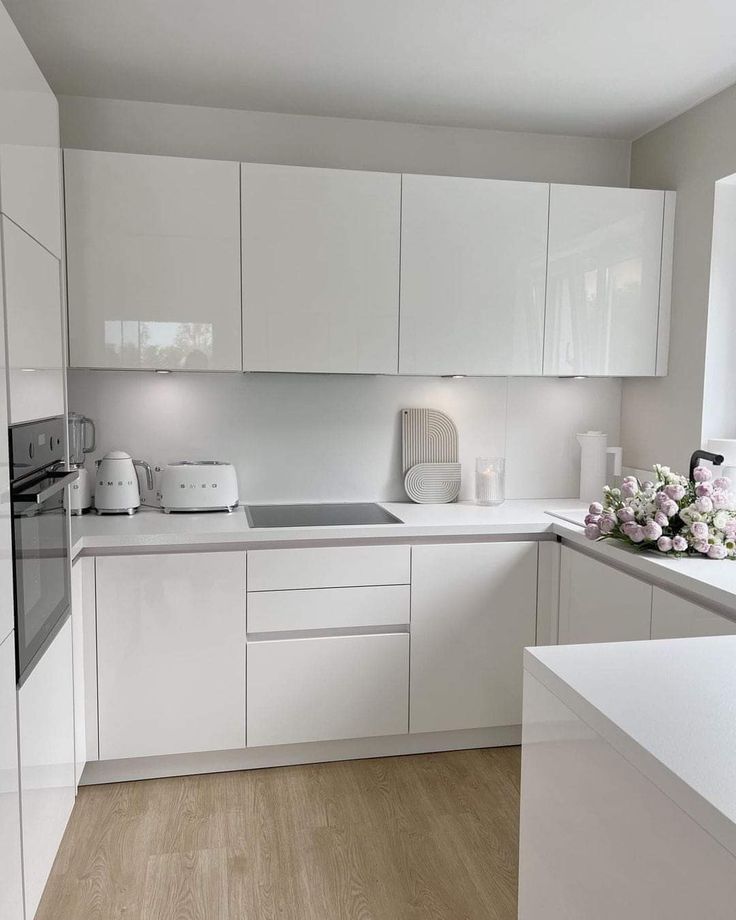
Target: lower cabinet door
11, 878
327, 688
473, 610
599, 603
675, 618
171, 653
46, 733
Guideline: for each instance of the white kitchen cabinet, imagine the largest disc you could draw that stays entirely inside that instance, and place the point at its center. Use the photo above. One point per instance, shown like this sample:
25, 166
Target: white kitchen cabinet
328, 608
153, 257
34, 327
320, 270
85, 662
30, 191
328, 567
324, 688
11, 877
473, 266
598, 603
675, 618
473, 611
47, 779
171, 653
603, 281
6, 548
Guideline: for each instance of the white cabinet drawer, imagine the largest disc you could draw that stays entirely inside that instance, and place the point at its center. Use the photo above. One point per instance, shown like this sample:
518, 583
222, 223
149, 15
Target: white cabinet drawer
321, 689
328, 608
331, 567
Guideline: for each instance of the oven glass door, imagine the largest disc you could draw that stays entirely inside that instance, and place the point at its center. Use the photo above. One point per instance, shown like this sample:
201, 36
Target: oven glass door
40, 550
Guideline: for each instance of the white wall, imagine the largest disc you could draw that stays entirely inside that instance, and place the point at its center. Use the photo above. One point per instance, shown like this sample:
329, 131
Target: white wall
299, 437
196, 131
28, 108
311, 437
663, 418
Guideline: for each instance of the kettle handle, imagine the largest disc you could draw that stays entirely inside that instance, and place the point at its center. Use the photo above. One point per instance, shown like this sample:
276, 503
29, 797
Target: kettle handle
149, 473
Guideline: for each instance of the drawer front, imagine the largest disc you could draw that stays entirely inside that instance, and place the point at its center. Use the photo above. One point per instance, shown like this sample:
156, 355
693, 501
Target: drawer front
322, 689
328, 608
331, 567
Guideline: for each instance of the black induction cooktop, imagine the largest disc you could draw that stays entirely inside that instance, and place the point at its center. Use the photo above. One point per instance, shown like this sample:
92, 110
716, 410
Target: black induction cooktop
338, 515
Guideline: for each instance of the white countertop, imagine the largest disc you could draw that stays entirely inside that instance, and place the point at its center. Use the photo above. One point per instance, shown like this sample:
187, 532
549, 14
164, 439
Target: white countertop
705, 580
150, 528
668, 706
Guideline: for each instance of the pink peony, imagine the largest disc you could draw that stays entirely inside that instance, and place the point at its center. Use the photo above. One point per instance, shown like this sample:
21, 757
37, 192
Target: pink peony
717, 551
652, 531
670, 508
675, 492
704, 505
699, 530
607, 523
592, 518
679, 544
702, 474
592, 531
664, 544
701, 546
720, 500
636, 533
596, 508
629, 489
703, 488
723, 483
625, 515
661, 518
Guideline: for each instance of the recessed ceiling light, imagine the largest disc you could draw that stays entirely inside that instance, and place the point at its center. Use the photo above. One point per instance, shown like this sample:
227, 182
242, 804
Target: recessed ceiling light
162, 370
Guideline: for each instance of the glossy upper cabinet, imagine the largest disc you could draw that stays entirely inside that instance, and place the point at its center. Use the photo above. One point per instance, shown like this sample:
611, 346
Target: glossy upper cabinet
473, 264
153, 260
30, 191
607, 282
34, 326
320, 270
11, 879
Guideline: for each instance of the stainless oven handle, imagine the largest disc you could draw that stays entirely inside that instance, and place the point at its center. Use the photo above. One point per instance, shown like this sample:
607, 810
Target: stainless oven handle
38, 498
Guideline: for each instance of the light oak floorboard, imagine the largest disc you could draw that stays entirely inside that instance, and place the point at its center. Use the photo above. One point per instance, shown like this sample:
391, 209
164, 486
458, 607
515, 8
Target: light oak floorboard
426, 837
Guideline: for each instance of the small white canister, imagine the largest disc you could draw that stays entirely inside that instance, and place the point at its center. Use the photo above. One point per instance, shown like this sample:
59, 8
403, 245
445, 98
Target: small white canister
727, 448
594, 452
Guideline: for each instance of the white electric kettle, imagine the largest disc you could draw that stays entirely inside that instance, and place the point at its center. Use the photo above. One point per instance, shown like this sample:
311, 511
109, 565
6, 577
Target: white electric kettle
116, 483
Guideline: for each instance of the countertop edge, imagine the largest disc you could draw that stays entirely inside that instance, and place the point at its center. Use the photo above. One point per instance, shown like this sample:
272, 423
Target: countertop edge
697, 807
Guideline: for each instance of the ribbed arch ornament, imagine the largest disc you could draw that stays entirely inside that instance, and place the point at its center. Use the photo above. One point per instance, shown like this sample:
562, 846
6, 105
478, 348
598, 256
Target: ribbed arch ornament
429, 455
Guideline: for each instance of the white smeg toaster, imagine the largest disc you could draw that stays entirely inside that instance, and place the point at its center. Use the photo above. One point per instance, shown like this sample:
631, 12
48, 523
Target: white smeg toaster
198, 485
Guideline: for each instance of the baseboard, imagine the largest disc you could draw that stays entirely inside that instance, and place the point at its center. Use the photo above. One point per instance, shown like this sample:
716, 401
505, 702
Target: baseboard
118, 771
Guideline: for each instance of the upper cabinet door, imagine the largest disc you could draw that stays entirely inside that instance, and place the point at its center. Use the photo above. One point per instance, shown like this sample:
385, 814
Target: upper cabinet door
153, 256
30, 191
320, 270
473, 263
34, 326
603, 281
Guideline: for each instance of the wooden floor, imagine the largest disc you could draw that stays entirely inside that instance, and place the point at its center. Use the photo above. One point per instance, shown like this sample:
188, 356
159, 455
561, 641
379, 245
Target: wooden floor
402, 838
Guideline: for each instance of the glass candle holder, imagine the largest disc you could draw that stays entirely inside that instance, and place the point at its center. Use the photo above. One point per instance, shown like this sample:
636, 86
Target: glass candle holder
490, 474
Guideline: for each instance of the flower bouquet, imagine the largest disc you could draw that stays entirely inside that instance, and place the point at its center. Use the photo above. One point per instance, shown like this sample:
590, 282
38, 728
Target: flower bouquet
671, 515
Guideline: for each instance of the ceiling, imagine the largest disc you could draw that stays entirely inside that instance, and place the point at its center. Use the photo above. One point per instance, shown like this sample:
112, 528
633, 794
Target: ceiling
612, 68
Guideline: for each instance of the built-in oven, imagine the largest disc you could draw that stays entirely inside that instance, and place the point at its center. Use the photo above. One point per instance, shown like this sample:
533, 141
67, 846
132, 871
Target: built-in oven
42, 590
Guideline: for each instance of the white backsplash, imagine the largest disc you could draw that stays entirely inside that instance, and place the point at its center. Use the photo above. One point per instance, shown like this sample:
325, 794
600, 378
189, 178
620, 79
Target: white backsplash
296, 437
